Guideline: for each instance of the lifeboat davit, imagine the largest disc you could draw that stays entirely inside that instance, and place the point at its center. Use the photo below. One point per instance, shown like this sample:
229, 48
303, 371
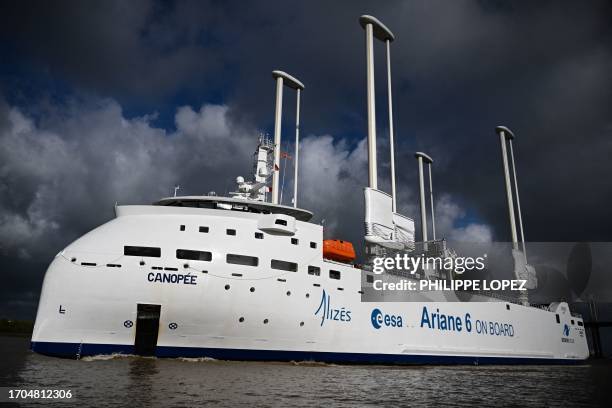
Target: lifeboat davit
338, 250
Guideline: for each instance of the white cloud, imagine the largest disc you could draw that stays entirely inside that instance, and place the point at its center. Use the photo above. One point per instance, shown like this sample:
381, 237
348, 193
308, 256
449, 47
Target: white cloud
62, 176
448, 217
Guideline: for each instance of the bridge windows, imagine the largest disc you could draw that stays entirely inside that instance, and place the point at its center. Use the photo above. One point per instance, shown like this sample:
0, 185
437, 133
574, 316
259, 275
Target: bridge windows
230, 231
193, 255
280, 221
242, 260
284, 265
203, 229
152, 252
334, 274
558, 320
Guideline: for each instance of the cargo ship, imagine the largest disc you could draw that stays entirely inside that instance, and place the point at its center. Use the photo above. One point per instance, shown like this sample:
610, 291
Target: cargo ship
244, 277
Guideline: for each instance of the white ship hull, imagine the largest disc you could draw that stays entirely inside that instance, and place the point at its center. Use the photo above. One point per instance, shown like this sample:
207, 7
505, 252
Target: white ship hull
246, 312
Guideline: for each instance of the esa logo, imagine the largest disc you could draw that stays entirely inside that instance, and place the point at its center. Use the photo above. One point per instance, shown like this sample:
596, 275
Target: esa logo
379, 319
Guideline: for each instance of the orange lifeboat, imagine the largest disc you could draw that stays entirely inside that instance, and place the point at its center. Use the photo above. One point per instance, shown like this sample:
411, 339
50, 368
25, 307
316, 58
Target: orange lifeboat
338, 250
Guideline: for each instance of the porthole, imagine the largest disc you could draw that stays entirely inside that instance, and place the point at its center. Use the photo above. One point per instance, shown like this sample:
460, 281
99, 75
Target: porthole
185, 266
241, 319
308, 295
73, 260
288, 293
252, 289
227, 287
142, 263
301, 324
266, 321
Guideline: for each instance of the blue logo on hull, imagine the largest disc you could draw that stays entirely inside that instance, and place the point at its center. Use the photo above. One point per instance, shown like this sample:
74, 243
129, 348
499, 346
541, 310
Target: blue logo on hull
379, 319
329, 313
566, 330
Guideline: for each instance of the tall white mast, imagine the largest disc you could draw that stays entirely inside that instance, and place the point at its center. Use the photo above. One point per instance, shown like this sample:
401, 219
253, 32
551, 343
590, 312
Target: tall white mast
373, 28
391, 144
422, 157
282, 78
504, 134
431, 201
518, 201
297, 149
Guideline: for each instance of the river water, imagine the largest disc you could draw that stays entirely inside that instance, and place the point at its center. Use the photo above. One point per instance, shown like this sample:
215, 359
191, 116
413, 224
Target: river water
152, 382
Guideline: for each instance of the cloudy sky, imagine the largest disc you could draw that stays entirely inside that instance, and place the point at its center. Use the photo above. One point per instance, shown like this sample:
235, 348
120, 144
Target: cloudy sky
104, 102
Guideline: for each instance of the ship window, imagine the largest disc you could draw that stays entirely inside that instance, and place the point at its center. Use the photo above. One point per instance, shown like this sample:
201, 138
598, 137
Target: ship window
572, 322
369, 278
313, 244
278, 221
113, 265
169, 268
182, 228
314, 270
295, 241
203, 229
340, 288
259, 235
88, 264
142, 251
558, 320
507, 307
230, 231
284, 265
193, 255
334, 274
579, 323
242, 260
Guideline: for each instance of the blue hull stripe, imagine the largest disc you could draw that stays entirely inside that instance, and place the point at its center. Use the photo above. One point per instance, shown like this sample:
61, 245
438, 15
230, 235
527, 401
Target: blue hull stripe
74, 350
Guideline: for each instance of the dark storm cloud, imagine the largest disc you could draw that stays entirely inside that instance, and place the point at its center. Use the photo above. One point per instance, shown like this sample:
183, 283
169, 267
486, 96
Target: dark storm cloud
459, 68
